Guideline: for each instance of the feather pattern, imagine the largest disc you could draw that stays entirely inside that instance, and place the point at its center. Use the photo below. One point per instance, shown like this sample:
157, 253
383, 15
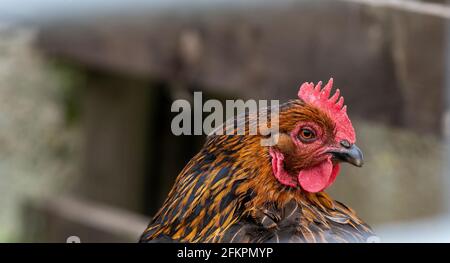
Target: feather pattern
228, 193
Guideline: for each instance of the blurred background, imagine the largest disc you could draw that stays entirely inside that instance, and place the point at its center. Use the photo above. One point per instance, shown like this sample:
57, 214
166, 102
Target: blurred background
86, 88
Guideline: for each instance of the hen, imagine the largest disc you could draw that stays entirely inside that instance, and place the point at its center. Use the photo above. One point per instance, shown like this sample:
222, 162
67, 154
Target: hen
236, 190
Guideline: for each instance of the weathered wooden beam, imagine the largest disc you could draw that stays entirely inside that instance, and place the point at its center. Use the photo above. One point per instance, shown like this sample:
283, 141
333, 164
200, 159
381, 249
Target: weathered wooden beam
439, 10
58, 218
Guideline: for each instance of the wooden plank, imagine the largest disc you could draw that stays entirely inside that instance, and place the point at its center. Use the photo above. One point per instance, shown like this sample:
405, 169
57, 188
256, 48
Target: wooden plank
115, 112
58, 218
421, 8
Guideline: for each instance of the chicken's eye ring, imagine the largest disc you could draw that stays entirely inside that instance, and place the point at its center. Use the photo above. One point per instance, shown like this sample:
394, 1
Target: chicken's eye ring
307, 135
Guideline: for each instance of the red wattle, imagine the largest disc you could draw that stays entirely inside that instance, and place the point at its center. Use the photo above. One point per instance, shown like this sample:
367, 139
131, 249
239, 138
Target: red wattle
319, 177
278, 169
312, 180
334, 174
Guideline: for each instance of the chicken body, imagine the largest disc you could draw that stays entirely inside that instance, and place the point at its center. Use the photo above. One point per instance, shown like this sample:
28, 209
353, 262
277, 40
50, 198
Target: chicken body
233, 190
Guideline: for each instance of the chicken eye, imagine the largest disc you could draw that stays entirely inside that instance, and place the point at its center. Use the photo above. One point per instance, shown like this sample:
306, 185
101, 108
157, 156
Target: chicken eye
307, 135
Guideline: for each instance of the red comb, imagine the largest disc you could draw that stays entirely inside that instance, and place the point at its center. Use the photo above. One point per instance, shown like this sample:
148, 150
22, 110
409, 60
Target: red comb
333, 106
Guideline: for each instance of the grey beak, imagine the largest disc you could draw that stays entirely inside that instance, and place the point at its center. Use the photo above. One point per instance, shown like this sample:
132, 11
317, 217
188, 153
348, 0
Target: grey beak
351, 154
